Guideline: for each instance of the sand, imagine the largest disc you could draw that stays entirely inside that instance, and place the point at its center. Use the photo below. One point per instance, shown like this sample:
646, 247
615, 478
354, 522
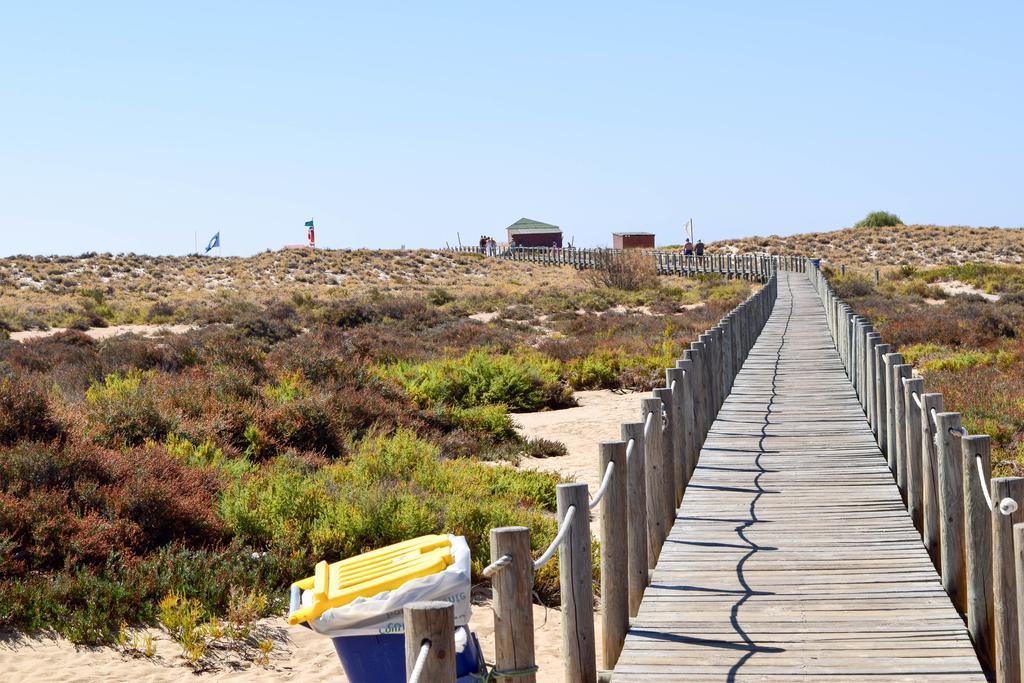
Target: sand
301, 655
954, 287
100, 333
298, 655
597, 418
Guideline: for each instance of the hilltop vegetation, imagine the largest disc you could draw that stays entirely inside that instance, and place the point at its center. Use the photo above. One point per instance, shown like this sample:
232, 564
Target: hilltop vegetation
108, 289
146, 480
920, 245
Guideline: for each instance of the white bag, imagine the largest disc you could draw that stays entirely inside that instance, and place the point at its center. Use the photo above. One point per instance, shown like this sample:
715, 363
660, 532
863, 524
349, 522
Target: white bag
382, 613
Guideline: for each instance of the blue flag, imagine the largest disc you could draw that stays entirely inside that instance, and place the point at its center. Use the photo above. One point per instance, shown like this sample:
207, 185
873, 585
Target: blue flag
214, 242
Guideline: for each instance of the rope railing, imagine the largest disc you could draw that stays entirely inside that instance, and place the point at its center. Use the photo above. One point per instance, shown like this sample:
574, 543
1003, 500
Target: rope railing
421, 661
556, 541
935, 461
595, 501
1007, 506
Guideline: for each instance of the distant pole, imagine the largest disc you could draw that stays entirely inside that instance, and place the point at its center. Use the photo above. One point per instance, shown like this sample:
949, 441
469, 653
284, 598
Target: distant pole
459, 237
195, 239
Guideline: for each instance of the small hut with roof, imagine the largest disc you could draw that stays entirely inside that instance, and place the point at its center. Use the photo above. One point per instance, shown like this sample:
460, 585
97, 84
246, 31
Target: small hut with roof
530, 233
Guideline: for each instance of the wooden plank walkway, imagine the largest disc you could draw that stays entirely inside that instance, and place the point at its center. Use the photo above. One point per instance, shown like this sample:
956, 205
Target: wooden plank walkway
792, 556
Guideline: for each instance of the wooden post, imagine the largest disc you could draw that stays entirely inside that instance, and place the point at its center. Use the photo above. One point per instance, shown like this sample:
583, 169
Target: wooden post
873, 340
951, 508
978, 543
891, 360
698, 385
513, 604
576, 576
1018, 555
669, 454
900, 373
677, 376
614, 554
690, 450
432, 622
636, 514
711, 376
1004, 580
854, 373
912, 429
657, 518
880, 397
930, 477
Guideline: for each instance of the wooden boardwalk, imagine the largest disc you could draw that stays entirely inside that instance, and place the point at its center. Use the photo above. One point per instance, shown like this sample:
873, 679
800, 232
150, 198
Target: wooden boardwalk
792, 556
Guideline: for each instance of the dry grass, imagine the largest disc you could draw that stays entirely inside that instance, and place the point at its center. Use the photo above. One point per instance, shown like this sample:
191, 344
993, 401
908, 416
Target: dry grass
628, 270
94, 290
924, 245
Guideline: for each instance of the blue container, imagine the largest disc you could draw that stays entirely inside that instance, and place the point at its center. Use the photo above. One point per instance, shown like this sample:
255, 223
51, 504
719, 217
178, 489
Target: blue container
816, 262
381, 659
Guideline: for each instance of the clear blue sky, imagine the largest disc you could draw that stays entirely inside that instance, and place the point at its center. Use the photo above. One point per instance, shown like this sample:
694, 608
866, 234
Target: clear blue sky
129, 126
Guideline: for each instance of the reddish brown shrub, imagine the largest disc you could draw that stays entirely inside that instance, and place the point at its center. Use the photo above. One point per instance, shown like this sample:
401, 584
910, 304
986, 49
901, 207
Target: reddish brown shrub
25, 413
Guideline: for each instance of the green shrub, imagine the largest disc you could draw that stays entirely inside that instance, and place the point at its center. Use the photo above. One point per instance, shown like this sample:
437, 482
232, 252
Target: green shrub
122, 411
490, 420
879, 219
89, 605
207, 455
394, 488
544, 448
522, 381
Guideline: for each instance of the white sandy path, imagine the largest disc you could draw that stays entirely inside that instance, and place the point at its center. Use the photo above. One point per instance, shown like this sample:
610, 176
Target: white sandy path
305, 656
99, 333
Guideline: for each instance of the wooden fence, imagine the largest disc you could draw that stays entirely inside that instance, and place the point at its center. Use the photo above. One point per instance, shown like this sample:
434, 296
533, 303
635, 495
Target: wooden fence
972, 525
644, 478
756, 267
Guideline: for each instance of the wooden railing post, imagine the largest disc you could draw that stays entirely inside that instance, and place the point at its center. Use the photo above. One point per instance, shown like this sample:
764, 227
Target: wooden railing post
690, 449
978, 544
912, 430
669, 454
576, 577
1018, 554
657, 517
951, 507
930, 477
881, 405
513, 605
636, 514
891, 360
711, 386
432, 622
695, 354
679, 469
901, 372
614, 554
1004, 580
873, 340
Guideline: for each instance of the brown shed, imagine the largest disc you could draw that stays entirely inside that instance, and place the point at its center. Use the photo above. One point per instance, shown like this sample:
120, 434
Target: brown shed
529, 233
633, 240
